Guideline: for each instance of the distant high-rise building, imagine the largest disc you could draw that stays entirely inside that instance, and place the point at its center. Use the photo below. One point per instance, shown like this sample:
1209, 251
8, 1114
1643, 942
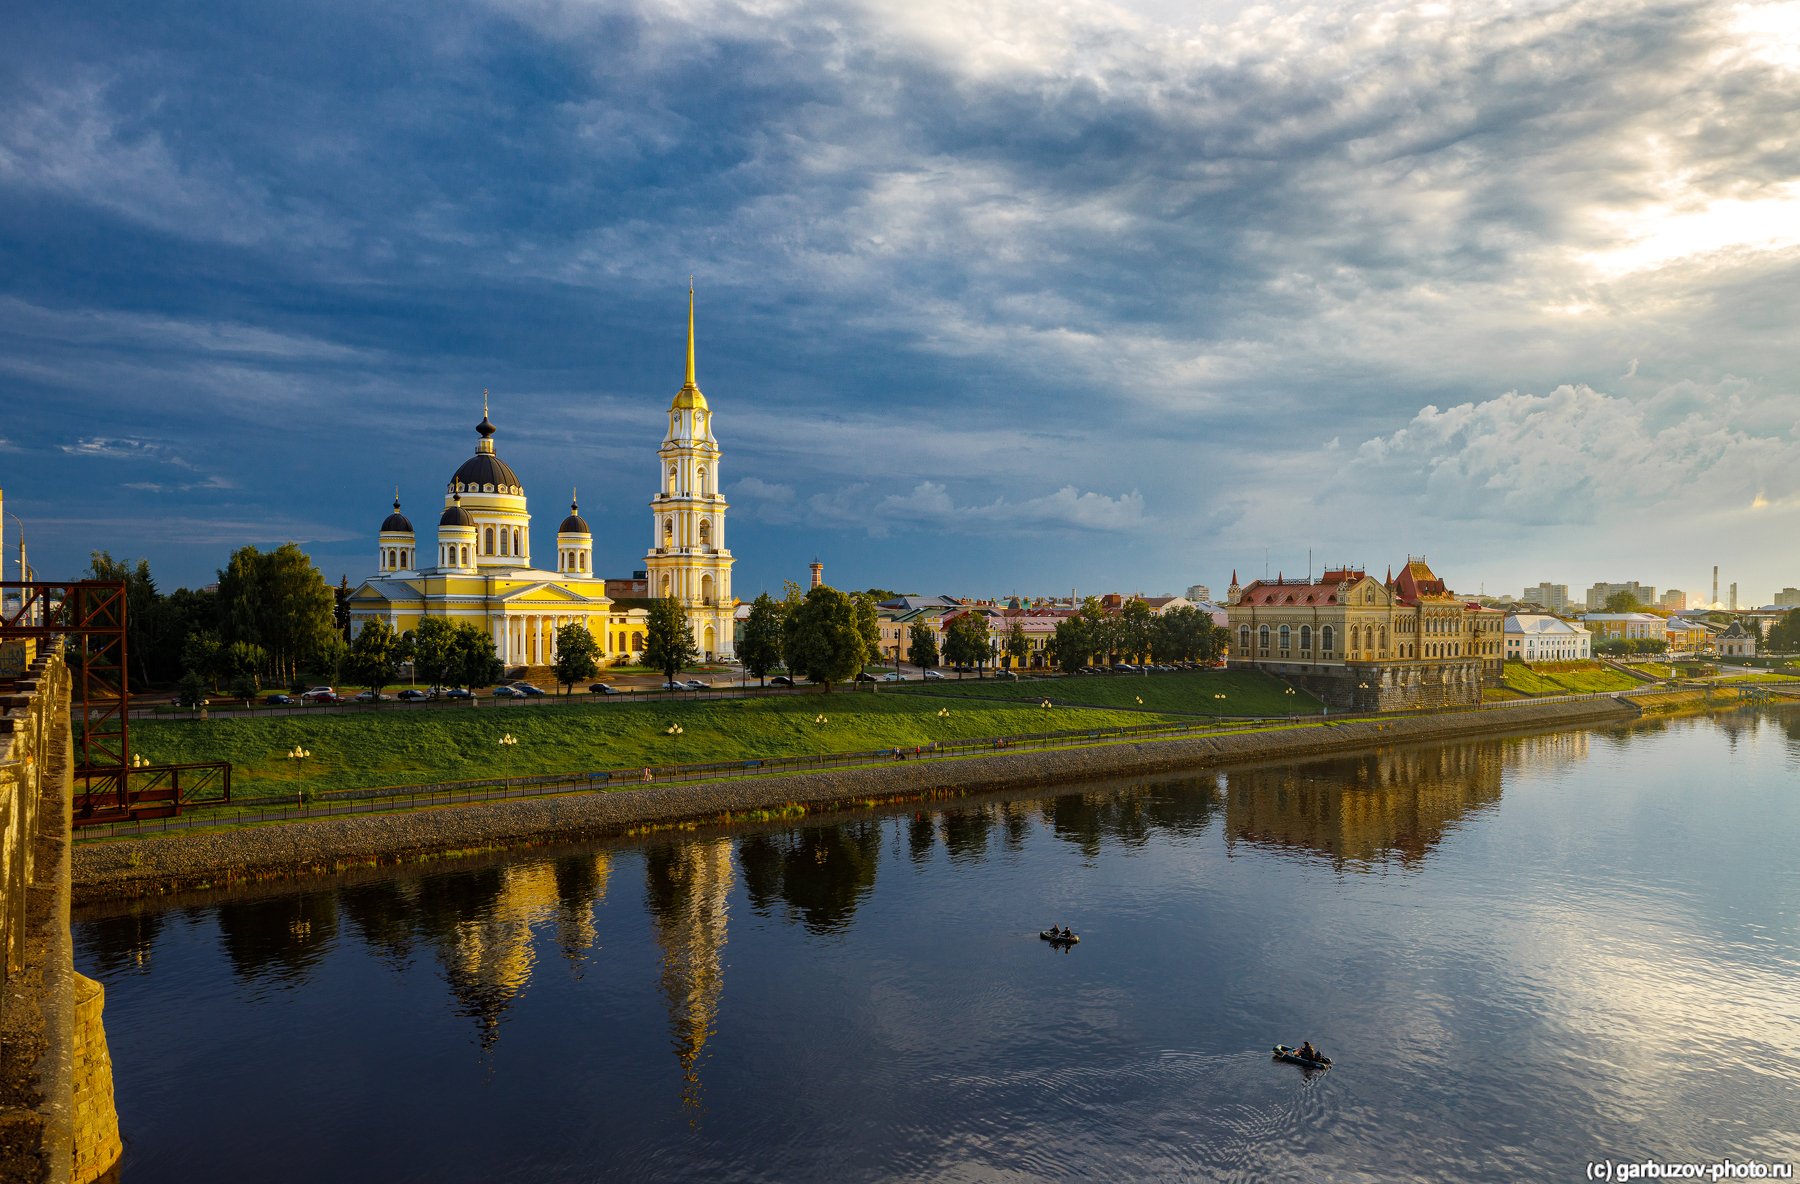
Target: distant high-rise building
1788, 598
1554, 597
1199, 592
1599, 594
1674, 600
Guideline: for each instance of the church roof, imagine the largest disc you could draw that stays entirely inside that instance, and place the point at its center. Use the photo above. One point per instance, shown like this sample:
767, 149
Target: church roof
574, 523
689, 398
455, 515
486, 468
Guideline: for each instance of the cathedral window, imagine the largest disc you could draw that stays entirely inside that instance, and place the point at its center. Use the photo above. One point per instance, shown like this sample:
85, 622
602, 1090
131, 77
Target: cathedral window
701, 487
465, 555
518, 541
668, 532
504, 540
705, 533
488, 549
1327, 638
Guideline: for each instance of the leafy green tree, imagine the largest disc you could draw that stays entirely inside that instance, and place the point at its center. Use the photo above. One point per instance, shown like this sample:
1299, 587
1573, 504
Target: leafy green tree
821, 637
868, 624
1018, 646
204, 657
577, 655
191, 689
1183, 634
375, 656
1622, 602
966, 641
921, 645
278, 600
668, 638
142, 620
760, 649
1136, 629
473, 660
1784, 635
433, 645
1074, 643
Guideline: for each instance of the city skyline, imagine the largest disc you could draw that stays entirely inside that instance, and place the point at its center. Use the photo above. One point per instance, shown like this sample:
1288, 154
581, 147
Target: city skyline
1120, 302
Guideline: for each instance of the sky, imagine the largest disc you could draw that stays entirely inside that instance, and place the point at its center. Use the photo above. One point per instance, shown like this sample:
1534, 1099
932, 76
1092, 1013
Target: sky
994, 296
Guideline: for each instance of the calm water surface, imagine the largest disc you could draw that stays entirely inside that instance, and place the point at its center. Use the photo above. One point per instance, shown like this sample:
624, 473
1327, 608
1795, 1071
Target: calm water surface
1524, 954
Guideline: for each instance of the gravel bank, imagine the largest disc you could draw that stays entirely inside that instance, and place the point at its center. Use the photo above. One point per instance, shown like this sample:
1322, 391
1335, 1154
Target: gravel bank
168, 864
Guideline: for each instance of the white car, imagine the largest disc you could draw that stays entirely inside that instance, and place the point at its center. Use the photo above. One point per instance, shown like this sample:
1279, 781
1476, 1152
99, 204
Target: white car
933, 676
895, 676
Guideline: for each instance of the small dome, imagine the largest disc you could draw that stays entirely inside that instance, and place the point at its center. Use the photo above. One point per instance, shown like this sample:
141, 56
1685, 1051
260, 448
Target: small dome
397, 522
689, 398
574, 524
455, 515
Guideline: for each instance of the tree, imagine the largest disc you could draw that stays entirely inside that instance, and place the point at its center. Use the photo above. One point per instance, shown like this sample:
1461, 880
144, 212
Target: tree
202, 657
821, 638
966, 641
279, 601
1622, 602
141, 617
1183, 634
577, 655
1784, 635
868, 624
432, 645
760, 650
1136, 628
1074, 643
374, 659
668, 638
921, 645
472, 660
1018, 646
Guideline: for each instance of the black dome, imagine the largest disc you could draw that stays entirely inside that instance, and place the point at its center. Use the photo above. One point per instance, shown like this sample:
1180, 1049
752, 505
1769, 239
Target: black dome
484, 469
455, 515
397, 521
574, 524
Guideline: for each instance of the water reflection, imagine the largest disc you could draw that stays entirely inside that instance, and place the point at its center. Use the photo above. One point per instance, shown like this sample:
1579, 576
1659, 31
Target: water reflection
1177, 807
687, 887
281, 938
819, 873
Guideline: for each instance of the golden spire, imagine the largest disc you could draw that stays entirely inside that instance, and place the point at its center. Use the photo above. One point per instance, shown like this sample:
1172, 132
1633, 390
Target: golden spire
690, 360
484, 410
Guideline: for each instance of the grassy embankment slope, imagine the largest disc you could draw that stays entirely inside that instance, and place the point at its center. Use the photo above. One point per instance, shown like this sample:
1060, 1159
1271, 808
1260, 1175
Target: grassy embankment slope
1566, 679
400, 746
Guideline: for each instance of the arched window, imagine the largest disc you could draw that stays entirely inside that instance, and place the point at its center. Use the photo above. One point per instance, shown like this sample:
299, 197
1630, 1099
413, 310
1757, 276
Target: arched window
668, 534
581, 560
706, 589
465, 555
1384, 637
1286, 637
1262, 639
1326, 638
671, 478
705, 533
488, 542
518, 541
1306, 639
701, 483
1243, 639
637, 642
668, 588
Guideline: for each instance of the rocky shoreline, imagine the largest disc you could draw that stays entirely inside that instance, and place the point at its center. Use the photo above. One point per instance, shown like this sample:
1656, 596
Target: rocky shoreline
166, 865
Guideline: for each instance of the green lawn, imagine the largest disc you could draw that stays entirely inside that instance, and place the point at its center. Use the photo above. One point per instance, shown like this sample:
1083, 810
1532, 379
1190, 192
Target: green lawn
1247, 692
400, 747
1527, 681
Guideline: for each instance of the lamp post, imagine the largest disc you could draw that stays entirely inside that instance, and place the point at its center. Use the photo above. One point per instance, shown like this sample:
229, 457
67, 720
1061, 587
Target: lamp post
507, 743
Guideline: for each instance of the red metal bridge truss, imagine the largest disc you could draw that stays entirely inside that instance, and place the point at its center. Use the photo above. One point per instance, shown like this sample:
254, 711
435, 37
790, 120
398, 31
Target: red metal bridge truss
111, 782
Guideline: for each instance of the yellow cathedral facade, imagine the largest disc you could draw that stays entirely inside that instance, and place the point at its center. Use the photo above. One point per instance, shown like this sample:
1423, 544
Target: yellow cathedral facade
480, 570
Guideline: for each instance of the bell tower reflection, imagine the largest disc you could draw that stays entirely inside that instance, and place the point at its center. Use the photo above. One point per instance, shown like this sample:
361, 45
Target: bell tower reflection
687, 888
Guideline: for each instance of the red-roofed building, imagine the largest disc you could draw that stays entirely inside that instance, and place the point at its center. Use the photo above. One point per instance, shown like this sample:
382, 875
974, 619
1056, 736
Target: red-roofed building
1368, 644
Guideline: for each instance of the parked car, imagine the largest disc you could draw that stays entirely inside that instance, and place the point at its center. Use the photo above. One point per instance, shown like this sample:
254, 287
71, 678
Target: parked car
697, 684
525, 690
600, 688
933, 676
508, 692
371, 697
1006, 674
781, 680
893, 676
411, 696
865, 676
275, 701
673, 685
321, 695
458, 693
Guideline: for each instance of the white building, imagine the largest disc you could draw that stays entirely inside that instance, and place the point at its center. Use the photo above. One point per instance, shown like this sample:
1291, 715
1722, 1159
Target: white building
1533, 637
1554, 597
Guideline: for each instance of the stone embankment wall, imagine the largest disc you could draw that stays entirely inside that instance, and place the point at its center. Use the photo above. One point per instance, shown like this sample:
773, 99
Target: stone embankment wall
185, 861
57, 1122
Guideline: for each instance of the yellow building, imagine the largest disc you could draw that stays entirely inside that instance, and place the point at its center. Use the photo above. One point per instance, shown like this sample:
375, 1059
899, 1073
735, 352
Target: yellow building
480, 570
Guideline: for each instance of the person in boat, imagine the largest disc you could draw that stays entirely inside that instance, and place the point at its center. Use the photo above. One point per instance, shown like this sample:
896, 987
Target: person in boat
1309, 1052
1067, 932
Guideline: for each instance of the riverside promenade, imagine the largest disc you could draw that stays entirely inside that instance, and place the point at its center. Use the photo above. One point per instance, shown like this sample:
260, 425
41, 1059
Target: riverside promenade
377, 834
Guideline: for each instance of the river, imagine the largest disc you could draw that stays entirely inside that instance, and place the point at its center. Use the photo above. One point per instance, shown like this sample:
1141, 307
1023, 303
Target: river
1524, 954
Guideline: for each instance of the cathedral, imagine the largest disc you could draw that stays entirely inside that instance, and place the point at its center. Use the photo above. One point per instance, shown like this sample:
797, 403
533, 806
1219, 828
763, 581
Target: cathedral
480, 570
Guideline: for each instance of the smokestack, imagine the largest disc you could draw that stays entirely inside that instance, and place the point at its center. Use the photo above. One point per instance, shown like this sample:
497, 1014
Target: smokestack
818, 573
1734, 596
1715, 596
